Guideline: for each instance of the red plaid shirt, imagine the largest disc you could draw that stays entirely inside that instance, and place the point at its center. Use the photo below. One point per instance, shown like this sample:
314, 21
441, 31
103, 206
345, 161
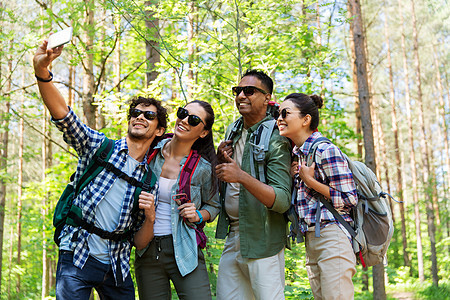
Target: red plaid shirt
332, 170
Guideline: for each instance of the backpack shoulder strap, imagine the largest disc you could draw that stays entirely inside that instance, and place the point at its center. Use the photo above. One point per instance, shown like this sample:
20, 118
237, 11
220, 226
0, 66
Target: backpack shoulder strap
337, 216
311, 157
184, 185
236, 126
259, 142
103, 153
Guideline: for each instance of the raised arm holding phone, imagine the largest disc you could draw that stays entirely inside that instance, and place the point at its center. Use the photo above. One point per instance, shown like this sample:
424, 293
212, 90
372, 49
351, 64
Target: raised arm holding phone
92, 260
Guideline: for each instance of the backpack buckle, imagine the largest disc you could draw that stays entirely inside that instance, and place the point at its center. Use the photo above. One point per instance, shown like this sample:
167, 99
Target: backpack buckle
258, 152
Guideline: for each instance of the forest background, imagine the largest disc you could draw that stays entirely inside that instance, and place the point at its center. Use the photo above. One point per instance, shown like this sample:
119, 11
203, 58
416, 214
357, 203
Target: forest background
381, 66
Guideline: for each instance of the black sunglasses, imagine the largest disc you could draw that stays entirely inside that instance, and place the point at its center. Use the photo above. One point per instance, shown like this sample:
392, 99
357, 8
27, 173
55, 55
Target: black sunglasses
193, 120
284, 112
248, 90
149, 115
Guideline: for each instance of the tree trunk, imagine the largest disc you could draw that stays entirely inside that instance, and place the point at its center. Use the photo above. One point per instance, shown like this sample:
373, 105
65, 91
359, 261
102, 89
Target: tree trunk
152, 44
3, 152
426, 160
355, 92
191, 49
364, 100
88, 71
116, 58
398, 160
412, 152
441, 109
19, 187
71, 83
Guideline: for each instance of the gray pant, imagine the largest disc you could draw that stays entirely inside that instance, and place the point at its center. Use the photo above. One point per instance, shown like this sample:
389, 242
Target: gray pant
157, 266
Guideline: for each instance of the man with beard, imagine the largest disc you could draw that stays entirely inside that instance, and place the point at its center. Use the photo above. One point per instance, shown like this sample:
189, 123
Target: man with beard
86, 258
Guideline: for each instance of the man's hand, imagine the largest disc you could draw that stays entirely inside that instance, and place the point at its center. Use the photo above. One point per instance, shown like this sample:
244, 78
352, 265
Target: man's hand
43, 58
224, 147
147, 203
228, 171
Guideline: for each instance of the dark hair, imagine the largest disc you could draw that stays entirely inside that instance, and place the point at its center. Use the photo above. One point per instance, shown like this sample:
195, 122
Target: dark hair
307, 105
265, 79
205, 146
161, 112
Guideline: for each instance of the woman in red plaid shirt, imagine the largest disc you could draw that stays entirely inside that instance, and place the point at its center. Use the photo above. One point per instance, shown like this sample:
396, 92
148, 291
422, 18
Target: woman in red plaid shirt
330, 261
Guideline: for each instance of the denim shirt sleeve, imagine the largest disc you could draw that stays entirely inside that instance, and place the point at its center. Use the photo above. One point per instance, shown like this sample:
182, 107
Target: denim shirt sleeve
278, 162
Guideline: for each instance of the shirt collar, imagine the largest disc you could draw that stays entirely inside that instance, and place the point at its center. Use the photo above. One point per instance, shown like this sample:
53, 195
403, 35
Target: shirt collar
161, 145
121, 145
304, 149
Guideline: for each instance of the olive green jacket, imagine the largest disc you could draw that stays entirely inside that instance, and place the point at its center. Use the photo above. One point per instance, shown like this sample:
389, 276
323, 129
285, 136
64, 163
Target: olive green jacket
263, 231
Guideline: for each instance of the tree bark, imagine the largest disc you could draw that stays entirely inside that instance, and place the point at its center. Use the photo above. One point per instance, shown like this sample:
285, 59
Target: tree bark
366, 119
3, 152
398, 160
191, 49
88, 71
441, 110
19, 188
152, 44
417, 216
425, 158
355, 92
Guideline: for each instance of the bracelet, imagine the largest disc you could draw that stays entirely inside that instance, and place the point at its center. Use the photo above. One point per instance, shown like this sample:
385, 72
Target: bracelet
200, 216
44, 80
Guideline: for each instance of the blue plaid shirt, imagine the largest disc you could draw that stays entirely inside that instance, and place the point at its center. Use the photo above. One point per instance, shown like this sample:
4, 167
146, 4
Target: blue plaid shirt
86, 141
332, 170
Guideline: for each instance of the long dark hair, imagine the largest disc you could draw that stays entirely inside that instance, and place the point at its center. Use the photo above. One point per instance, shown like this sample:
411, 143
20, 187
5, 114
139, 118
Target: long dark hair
205, 146
307, 105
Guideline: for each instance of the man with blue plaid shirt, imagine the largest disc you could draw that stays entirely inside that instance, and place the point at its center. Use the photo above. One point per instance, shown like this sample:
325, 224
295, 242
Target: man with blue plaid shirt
86, 260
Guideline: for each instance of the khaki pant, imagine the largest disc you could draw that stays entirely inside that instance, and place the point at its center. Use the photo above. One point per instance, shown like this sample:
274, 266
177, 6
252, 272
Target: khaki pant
245, 278
330, 263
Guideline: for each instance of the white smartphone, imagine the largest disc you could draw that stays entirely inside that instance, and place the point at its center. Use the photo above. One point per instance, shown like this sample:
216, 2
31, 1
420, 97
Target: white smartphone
60, 38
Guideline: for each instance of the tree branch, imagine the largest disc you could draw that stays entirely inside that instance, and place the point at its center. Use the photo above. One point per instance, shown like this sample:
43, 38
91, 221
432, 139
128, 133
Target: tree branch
43, 134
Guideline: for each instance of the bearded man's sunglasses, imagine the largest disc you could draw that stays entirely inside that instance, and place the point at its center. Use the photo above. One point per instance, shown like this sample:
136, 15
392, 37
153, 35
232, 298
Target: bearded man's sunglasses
248, 90
193, 120
149, 115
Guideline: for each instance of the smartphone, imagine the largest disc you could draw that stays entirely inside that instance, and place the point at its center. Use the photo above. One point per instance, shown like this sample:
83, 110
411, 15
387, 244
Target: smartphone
60, 38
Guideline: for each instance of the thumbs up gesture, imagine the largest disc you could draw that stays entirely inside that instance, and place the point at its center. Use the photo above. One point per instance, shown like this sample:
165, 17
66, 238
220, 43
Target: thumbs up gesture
228, 171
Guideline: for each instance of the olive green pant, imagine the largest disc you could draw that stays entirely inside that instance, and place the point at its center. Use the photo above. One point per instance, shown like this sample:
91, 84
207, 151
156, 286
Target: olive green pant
157, 266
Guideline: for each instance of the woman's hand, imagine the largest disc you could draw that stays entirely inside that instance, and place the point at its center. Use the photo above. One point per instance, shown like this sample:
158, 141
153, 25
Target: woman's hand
306, 173
294, 168
189, 212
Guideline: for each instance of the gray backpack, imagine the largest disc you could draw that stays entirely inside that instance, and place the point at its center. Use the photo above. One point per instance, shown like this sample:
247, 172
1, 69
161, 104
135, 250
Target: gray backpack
373, 226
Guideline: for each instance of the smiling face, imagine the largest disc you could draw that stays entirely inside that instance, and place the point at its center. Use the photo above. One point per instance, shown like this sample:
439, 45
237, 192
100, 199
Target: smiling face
184, 130
294, 124
253, 107
140, 128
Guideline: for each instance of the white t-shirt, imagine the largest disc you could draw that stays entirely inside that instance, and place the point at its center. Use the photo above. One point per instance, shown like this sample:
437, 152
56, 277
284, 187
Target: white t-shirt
232, 194
162, 220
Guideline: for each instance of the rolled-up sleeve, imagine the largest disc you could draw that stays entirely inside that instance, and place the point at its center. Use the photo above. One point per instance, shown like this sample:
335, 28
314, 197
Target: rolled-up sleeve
341, 183
78, 135
210, 201
278, 162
